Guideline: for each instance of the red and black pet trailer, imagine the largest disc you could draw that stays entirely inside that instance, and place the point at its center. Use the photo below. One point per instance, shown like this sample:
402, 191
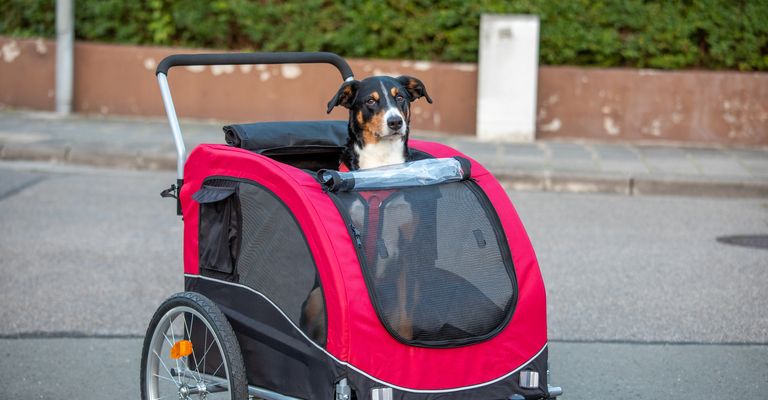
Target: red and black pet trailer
415, 281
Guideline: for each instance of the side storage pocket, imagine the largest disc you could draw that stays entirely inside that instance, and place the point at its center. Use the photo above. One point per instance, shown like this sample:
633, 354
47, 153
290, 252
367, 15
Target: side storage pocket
219, 227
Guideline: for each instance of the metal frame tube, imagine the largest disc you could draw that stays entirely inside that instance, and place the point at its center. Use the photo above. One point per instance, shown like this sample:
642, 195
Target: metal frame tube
170, 111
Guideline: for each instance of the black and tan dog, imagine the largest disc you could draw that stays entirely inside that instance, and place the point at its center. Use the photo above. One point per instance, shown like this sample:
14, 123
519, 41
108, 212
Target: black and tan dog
379, 126
379, 119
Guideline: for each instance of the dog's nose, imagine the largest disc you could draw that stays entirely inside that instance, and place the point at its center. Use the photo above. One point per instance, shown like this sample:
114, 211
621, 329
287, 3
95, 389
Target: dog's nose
395, 123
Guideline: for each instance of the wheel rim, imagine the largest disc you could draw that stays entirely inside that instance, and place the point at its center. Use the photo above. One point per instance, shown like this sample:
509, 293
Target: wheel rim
192, 376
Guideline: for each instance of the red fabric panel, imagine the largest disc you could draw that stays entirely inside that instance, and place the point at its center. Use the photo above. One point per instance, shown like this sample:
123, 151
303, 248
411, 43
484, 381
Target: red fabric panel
314, 211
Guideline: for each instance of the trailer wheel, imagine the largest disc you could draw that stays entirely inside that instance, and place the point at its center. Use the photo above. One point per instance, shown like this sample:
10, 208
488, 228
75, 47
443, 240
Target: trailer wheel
191, 352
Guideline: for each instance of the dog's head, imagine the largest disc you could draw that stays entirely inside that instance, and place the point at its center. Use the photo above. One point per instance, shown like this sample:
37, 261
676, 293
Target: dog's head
379, 106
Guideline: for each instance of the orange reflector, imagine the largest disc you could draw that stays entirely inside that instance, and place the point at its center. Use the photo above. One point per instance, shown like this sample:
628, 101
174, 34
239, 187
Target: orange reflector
182, 348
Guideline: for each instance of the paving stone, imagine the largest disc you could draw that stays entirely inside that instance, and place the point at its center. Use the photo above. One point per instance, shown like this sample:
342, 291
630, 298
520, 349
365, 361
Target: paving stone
526, 150
483, 152
623, 166
672, 166
661, 152
750, 154
756, 167
702, 153
562, 150
35, 152
521, 164
721, 167
615, 152
575, 165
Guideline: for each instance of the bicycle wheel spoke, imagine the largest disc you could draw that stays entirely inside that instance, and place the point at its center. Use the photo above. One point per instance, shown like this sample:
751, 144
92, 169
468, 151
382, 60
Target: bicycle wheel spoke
166, 368
173, 335
194, 358
162, 377
206, 351
218, 368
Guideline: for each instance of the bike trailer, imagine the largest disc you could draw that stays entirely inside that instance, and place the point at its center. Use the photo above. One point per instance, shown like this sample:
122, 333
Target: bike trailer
301, 282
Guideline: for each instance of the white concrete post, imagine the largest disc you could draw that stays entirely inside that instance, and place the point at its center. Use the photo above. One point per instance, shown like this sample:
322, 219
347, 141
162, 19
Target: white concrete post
507, 78
65, 36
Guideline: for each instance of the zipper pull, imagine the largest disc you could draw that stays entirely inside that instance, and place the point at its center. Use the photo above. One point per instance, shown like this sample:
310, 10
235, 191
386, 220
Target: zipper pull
356, 234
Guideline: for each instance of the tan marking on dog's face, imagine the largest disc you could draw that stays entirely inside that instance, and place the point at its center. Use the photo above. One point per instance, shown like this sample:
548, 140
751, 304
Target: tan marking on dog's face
371, 128
360, 117
375, 96
393, 91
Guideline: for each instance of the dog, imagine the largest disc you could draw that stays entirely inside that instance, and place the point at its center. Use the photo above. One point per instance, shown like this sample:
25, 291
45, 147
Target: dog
379, 126
379, 119
400, 250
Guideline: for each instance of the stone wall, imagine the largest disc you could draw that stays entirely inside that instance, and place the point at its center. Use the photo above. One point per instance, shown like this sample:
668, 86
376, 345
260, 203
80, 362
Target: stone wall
574, 103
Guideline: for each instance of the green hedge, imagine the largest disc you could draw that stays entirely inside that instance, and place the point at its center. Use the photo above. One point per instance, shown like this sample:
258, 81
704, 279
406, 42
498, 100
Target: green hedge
712, 34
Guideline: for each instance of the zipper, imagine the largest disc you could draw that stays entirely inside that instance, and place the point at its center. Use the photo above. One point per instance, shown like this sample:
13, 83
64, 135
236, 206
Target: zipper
501, 236
356, 234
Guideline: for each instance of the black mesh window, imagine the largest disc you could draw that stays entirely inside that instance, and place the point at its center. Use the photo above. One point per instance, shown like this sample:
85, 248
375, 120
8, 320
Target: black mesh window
435, 260
275, 260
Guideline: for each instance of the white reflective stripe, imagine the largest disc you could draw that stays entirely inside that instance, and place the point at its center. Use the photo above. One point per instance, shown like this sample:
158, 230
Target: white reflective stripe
391, 110
381, 394
346, 364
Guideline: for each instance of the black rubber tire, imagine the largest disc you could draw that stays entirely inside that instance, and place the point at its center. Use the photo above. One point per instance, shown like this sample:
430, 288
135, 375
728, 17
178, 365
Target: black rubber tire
238, 383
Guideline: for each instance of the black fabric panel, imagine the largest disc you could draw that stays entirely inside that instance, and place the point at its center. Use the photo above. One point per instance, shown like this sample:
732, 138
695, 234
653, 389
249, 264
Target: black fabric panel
275, 260
466, 166
288, 137
219, 228
309, 161
415, 155
212, 194
277, 357
501, 390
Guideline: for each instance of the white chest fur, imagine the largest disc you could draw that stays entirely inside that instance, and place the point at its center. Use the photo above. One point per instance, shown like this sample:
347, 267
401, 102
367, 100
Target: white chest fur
385, 152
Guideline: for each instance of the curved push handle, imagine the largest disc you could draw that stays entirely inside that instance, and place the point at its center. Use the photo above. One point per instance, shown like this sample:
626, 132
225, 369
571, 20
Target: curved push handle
255, 58
229, 59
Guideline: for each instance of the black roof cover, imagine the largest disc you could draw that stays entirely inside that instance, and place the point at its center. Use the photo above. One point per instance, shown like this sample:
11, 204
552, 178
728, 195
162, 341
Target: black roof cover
264, 137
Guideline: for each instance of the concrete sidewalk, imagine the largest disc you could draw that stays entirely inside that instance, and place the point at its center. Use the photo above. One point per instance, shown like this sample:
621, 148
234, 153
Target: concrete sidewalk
622, 168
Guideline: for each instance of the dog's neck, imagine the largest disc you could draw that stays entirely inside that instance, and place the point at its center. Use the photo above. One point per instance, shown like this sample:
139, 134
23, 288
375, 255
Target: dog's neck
385, 152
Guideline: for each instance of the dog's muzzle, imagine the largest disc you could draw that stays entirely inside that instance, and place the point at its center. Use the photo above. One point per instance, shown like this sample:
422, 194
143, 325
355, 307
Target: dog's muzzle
395, 125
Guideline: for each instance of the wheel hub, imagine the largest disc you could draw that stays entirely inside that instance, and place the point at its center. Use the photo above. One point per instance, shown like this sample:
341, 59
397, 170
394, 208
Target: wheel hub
185, 390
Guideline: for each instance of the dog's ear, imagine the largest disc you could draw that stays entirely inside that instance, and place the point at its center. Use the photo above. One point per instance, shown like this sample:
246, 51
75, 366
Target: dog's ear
414, 87
345, 96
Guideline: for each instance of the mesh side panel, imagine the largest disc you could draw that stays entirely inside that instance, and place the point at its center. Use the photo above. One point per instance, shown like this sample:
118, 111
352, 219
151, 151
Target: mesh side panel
437, 266
276, 261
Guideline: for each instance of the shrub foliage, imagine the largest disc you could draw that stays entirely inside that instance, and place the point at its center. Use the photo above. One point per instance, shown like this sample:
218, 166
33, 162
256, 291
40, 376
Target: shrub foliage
712, 34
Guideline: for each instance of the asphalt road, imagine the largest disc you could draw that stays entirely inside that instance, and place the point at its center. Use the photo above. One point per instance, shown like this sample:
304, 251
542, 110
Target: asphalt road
643, 302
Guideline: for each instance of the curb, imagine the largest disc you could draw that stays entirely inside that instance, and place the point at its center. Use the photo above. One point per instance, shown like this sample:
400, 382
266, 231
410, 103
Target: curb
522, 181
631, 186
83, 156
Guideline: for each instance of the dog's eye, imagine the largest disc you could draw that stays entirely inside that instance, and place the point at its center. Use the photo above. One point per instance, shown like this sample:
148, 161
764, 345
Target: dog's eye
399, 98
370, 101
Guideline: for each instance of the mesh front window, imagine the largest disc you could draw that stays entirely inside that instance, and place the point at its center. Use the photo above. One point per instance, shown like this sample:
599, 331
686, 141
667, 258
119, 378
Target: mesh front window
435, 260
